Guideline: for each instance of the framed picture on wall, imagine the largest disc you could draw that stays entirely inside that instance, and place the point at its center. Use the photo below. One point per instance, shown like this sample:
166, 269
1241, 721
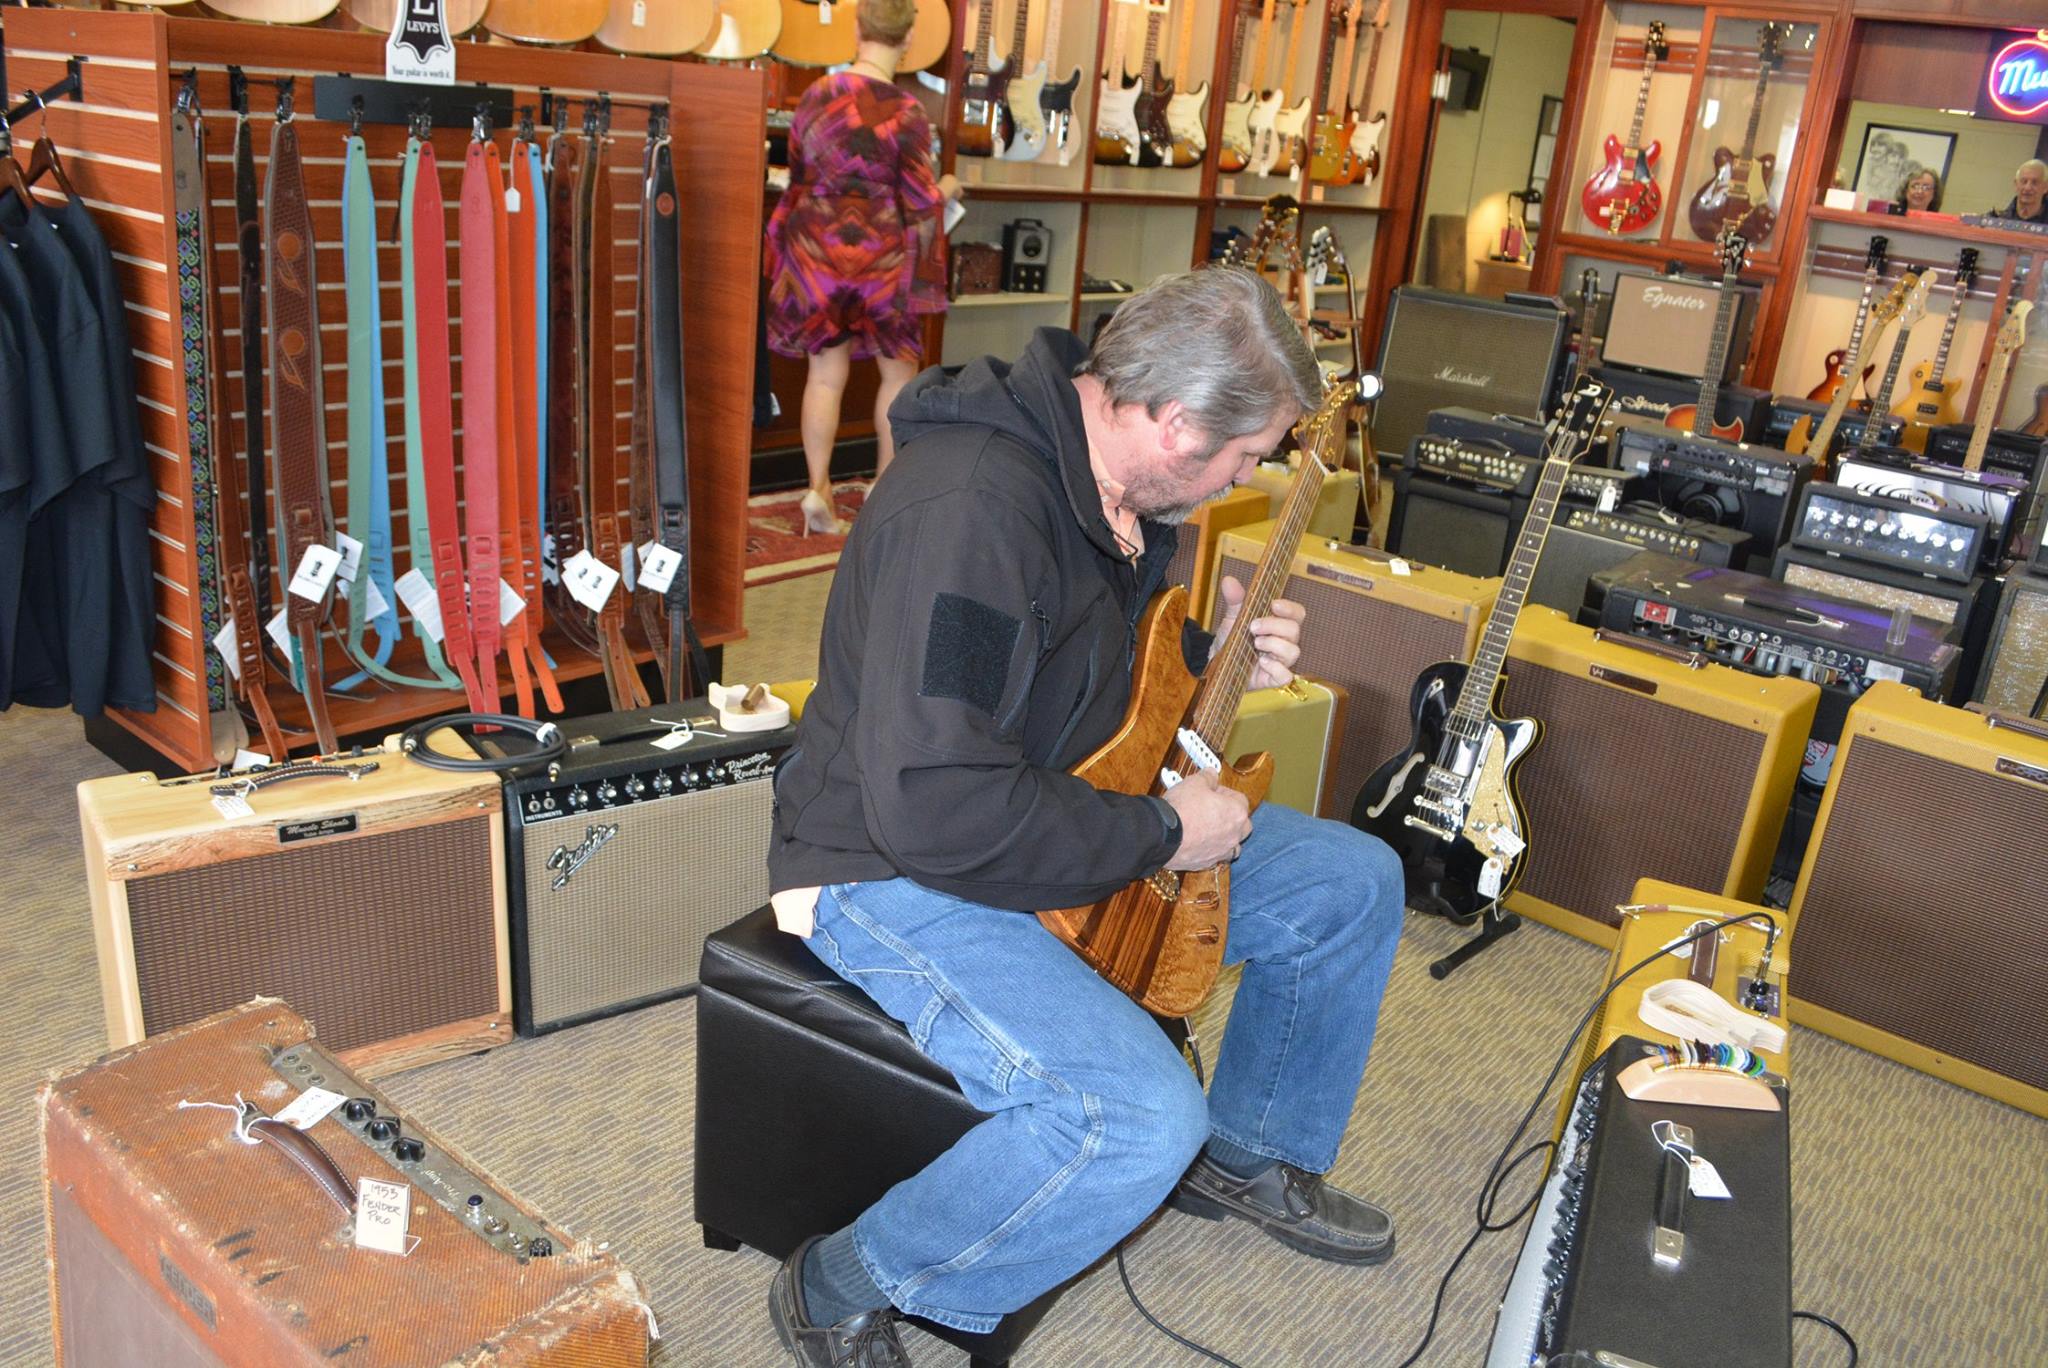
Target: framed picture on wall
1889, 150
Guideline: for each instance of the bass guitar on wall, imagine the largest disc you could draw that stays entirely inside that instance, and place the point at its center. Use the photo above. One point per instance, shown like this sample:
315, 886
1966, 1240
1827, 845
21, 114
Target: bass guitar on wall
1737, 195
1700, 417
1818, 440
1446, 802
1622, 196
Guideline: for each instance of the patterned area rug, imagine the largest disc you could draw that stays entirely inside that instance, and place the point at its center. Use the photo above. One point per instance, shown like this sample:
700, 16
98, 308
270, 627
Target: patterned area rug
777, 549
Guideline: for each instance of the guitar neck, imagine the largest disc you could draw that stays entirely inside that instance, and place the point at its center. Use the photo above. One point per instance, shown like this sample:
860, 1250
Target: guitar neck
1341, 70
1987, 409
1215, 703
1756, 107
1960, 293
1151, 58
1372, 69
1017, 34
1881, 402
1049, 43
1297, 28
1184, 44
1484, 672
1717, 357
1863, 309
1635, 125
984, 27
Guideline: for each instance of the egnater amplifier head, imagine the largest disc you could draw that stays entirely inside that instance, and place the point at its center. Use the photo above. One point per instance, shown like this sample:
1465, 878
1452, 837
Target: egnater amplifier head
1906, 536
1897, 474
1735, 484
650, 834
1665, 324
1510, 432
1441, 349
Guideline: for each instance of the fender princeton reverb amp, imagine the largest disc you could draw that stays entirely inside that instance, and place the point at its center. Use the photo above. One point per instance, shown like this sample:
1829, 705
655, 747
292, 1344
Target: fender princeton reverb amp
650, 834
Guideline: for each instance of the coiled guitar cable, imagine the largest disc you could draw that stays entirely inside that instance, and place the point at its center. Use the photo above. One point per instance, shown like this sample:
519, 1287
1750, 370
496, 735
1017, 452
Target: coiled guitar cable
548, 742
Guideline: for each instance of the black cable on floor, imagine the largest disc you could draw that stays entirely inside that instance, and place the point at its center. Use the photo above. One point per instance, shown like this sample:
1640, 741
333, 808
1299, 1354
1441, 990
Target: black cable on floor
1847, 1338
1182, 1340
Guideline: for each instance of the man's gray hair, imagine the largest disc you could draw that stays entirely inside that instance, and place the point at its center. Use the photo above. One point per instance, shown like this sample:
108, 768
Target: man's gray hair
2033, 164
1220, 340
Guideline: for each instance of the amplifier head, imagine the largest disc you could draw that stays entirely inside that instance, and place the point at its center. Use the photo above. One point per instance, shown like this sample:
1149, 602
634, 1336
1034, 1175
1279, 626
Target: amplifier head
1193, 566
625, 854
375, 906
1619, 724
1913, 935
2015, 673
1943, 602
1441, 349
1894, 473
1860, 525
1665, 324
1370, 631
1585, 541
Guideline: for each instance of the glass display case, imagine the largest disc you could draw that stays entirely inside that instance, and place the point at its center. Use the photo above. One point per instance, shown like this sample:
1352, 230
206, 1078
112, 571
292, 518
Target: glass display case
1745, 129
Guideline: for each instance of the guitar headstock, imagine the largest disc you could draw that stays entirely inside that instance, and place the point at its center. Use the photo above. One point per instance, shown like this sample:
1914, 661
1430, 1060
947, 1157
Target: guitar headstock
1885, 311
1352, 16
1880, 248
1577, 420
1386, 9
1770, 44
1321, 434
2014, 330
1323, 252
1655, 45
1734, 250
1966, 271
1915, 307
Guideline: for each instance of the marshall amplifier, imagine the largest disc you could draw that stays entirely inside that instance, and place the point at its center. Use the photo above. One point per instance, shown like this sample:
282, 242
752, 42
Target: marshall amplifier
2015, 453
1650, 398
625, 854
2000, 498
1911, 912
1786, 411
1027, 253
1440, 349
1584, 541
1665, 325
367, 888
1751, 488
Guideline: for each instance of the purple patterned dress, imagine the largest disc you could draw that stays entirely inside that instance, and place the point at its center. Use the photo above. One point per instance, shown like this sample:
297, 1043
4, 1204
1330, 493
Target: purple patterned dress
854, 248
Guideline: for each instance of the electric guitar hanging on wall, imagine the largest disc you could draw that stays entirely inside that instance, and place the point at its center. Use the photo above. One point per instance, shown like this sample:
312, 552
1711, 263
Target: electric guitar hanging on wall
1447, 802
2010, 336
1334, 129
1699, 417
1873, 271
1290, 123
1817, 440
1053, 114
1737, 195
1021, 116
1117, 135
1914, 310
984, 118
1187, 109
1362, 160
1930, 400
1622, 196
1234, 143
1155, 92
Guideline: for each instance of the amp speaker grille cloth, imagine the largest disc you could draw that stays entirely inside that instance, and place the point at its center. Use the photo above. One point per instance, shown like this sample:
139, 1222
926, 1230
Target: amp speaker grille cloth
1926, 929
1879, 595
630, 924
1443, 350
2017, 671
1622, 787
409, 910
1373, 649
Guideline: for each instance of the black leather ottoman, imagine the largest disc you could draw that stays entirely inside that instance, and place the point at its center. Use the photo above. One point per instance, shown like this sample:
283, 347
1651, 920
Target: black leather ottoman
811, 1103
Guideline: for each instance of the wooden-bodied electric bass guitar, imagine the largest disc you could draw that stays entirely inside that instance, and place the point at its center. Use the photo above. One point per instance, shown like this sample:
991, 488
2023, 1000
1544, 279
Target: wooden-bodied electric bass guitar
1699, 417
2010, 335
1161, 939
1930, 400
1446, 801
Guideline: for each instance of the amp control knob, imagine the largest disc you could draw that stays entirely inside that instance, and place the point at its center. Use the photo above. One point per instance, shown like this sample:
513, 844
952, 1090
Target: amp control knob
635, 787
383, 1128
662, 783
409, 1149
359, 1109
607, 791
578, 799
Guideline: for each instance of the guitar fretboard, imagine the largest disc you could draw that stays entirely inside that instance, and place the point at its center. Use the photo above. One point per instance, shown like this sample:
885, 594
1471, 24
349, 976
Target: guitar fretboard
1717, 357
1881, 402
1635, 125
1469, 718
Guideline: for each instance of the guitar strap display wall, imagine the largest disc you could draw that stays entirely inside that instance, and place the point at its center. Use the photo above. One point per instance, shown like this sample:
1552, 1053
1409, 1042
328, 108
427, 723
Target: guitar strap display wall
297, 406
478, 249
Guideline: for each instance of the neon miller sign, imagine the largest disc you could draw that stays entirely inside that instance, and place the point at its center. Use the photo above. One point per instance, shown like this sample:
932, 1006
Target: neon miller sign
2018, 80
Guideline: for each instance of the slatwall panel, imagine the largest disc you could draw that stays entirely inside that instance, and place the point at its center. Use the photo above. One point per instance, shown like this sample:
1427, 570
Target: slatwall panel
116, 148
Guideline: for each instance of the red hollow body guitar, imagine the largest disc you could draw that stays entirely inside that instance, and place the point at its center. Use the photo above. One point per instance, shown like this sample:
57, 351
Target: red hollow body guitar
1622, 196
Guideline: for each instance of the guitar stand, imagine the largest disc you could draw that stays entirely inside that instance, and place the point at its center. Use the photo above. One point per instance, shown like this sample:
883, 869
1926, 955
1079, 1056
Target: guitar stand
1495, 926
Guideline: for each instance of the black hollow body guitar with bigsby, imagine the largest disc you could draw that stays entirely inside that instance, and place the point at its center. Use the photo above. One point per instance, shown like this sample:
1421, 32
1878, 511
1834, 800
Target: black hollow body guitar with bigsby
1446, 801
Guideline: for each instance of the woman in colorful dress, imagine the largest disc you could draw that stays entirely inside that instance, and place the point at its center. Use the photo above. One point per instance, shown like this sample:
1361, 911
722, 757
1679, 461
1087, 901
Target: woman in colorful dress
856, 252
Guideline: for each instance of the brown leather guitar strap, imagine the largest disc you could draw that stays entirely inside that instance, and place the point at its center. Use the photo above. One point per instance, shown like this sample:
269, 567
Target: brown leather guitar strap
297, 403
597, 220
565, 388
509, 484
429, 250
525, 255
249, 251
482, 278
640, 476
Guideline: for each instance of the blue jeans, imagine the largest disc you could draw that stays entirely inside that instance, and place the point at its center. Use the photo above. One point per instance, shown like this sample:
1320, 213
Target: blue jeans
1094, 1115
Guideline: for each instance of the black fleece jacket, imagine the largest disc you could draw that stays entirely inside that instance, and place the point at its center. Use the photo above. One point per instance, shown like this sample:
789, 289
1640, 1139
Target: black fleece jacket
977, 645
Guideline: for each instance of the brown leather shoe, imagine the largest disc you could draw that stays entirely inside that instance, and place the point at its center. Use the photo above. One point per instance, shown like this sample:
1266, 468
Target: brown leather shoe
864, 1341
1295, 1207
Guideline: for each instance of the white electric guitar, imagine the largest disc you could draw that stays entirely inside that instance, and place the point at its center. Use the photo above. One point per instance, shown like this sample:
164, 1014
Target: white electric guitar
1117, 135
1259, 122
1362, 167
1187, 111
1290, 123
1027, 117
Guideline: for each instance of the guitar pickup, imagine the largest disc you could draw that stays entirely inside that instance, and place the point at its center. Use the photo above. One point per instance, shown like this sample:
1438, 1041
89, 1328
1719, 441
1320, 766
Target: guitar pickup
1423, 824
1196, 749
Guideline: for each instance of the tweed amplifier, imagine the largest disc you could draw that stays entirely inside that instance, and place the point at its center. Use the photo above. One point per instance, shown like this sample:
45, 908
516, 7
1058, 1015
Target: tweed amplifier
1584, 541
1786, 411
1731, 483
650, 834
1649, 399
173, 1246
1193, 566
2014, 677
1301, 725
369, 888
1917, 937
1337, 506
1440, 349
1665, 324
1374, 624
1619, 722
1893, 473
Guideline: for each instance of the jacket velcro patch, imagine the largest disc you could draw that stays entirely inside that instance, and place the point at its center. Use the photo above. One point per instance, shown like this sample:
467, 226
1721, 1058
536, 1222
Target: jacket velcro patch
967, 652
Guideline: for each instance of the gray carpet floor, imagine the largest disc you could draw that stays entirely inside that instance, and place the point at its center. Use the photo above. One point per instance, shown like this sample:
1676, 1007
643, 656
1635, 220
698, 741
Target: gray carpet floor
1920, 1210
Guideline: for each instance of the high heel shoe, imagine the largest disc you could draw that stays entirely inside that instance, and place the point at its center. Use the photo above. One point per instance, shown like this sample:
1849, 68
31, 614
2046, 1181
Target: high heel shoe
818, 516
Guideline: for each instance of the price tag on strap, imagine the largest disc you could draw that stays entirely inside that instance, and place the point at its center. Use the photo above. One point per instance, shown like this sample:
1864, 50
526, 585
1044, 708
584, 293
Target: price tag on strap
626, 565
309, 1108
224, 642
232, 806
511, 199
316, 572
1705, 1180
824, 11
510, 604
248, 759
351, 557
1610, 497
589, 580
1398, 566
383, 1211
658, 566
419, 599
280, 633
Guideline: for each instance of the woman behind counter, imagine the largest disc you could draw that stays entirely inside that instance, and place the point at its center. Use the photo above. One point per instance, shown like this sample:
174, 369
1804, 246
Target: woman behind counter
856, 256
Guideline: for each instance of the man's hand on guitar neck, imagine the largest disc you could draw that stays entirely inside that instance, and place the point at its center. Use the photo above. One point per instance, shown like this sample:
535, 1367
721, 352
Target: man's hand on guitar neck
1277, 636
1214, 821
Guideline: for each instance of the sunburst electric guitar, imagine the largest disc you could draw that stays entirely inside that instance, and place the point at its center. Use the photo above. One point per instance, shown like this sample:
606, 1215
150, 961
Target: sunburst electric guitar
1362, 159
1161, 939
1699, 417
1622, 196
1446, 802
1836, 362
1187, 108
984, 118
1234, 142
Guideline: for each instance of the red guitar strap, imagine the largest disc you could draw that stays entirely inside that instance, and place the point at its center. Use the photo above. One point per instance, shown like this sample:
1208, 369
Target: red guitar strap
437, 421
482, 182
510, 486
566, 191
526, 248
